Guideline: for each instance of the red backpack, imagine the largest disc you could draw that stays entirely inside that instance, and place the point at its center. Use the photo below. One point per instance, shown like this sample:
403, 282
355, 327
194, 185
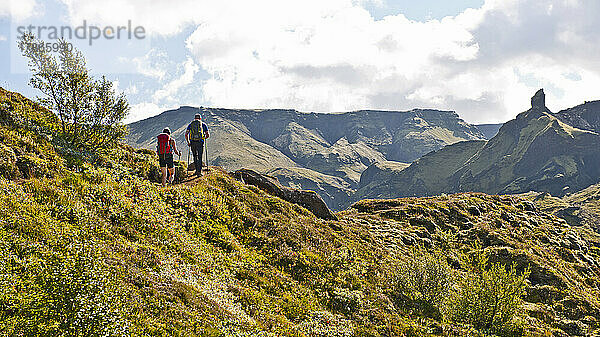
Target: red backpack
164, 144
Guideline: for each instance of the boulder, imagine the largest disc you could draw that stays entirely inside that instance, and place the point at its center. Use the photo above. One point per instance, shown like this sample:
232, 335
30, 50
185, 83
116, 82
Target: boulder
307, 199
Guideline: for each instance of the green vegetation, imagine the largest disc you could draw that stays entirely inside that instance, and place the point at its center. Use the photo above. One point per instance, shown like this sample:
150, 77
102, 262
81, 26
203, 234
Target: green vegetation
489, 296
90, 245
485, 295
423, 281
521, 248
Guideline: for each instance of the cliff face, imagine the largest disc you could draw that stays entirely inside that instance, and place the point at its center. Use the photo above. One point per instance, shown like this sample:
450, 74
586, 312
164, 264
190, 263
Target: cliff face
536, 151
585, 116
489, 130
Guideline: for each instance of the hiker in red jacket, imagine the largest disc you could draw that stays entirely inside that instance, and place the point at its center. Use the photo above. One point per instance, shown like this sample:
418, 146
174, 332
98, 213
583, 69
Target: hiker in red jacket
165, 148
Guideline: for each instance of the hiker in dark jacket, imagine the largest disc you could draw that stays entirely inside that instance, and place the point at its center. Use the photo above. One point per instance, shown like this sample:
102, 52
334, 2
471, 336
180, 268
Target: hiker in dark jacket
195, 135
165, 149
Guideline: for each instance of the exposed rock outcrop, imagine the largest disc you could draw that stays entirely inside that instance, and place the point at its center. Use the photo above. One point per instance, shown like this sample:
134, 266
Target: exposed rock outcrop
538, 101
307, 199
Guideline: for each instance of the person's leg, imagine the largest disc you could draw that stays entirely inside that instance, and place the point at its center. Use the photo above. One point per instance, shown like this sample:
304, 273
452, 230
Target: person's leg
171, 175
198, 157
163, 171
194, 148
171, 167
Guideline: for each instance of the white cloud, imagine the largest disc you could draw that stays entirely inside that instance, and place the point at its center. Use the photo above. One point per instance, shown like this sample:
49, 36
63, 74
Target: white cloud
346, 60
18, 10
156, 16
153, 64
142, 111
170, 89
131, 90
332, 55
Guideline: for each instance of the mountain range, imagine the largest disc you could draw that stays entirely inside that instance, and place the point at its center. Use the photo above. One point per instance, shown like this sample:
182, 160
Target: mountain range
556, 153
346, 157
327, 153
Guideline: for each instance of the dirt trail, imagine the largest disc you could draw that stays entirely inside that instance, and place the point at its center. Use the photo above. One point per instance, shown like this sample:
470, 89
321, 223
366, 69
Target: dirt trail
192, 179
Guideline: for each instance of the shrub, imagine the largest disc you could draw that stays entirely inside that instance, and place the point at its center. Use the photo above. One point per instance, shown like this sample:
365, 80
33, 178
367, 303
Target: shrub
488, 296
8, 161
155, 173
325, 324
346, 301
90, 111
145, 151
422, 281
32, 166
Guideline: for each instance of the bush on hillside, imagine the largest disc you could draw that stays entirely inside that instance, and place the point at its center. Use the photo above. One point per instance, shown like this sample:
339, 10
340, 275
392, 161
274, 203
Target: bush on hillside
325, 324
142, 163
422, 281
180, 170
346, 301
32, 167
8, 162
488, 296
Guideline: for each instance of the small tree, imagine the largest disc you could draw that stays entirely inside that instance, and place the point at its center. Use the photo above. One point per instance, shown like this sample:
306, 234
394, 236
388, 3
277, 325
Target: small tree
104, 127
91, 113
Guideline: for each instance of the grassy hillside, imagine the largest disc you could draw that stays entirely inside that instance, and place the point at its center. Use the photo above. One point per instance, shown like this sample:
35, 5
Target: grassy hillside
91, 246
581, 208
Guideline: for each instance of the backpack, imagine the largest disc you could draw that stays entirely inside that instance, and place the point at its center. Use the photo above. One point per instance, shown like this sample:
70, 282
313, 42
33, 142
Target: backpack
164, 144
196, 131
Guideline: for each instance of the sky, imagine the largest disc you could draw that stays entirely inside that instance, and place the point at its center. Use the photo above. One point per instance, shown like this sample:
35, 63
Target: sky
483, 59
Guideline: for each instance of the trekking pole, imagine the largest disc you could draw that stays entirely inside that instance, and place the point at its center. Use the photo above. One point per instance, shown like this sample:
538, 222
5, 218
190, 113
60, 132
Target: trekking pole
188, 160
206, 151
179, 166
